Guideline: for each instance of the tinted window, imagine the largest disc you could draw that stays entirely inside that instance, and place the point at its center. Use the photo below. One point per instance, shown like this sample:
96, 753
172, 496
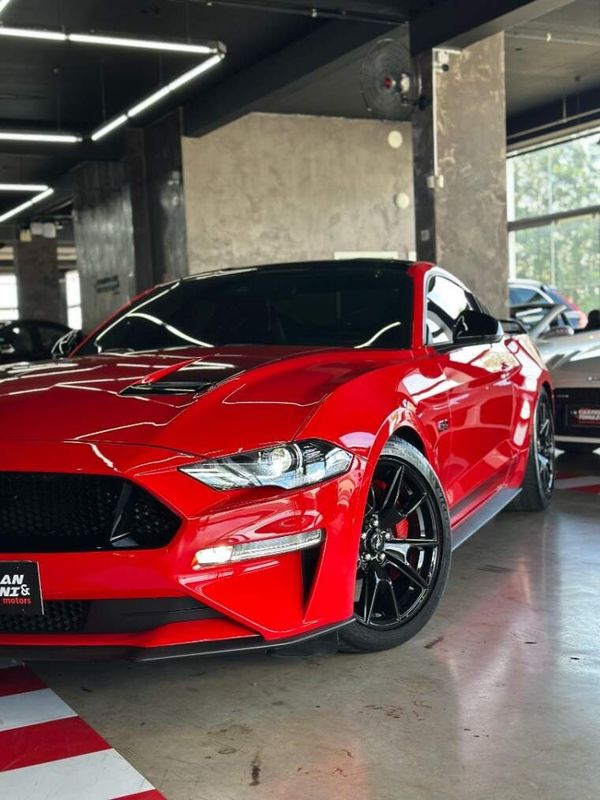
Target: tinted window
16, 340
363, 305
556, 297
523, 295
446, 301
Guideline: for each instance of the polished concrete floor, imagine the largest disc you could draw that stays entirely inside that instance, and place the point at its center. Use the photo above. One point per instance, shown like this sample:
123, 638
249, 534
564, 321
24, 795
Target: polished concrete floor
499, 696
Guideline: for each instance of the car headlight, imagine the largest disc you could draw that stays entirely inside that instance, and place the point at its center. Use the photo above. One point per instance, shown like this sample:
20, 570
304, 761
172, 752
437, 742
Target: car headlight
287, 466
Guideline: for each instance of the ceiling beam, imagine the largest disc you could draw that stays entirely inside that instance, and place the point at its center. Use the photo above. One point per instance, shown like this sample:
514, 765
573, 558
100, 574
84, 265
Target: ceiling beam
384, 11
562, 116
456, 23
320, 52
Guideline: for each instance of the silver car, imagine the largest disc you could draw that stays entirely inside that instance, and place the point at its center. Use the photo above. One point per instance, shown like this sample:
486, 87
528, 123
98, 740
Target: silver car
576, 377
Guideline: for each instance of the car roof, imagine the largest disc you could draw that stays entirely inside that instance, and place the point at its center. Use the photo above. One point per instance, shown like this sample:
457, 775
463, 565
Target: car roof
292, 265
525, 282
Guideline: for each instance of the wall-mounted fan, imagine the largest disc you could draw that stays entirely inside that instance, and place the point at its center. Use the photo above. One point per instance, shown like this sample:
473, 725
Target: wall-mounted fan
390, 81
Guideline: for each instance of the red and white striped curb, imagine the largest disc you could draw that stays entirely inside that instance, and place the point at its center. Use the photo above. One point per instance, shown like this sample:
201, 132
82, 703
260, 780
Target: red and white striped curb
579, 483
47, 752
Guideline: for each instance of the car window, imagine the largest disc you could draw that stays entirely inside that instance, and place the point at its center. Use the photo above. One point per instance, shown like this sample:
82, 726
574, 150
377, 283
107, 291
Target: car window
446, 301
48, 335
359, 306
523, 295
16, 340
556, 296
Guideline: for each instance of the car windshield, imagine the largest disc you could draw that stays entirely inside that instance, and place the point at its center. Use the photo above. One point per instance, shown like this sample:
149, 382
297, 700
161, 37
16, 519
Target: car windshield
328, 304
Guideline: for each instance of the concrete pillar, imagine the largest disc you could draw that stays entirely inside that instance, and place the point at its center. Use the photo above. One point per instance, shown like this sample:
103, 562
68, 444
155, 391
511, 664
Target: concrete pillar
104, 239
36, 267
130, 221
460, 167
155, 172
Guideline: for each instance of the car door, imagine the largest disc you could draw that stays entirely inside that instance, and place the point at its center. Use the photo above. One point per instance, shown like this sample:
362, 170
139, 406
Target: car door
482, 400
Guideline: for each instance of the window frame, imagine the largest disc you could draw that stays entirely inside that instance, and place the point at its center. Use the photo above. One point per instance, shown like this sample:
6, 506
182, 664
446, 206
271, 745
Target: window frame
478, 306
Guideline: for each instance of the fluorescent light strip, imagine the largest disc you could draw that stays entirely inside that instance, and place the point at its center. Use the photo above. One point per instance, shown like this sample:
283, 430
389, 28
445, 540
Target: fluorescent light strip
149, 101
119, 41
158, 95
17, 210
3, 4
23, 187
33, 33
193, 73
110, 126
59, 138
116, 41
142, 44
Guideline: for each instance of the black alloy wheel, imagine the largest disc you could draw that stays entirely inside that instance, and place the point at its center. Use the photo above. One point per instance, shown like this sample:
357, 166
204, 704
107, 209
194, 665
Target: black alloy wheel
544, 444
404, 552
538, 484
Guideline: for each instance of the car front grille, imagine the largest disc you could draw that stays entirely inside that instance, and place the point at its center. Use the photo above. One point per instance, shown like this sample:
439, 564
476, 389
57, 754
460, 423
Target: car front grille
568, 401
51, 512
107, 616
62, 616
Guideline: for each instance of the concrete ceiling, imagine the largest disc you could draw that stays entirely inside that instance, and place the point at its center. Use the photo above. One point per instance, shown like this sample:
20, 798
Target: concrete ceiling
49, 86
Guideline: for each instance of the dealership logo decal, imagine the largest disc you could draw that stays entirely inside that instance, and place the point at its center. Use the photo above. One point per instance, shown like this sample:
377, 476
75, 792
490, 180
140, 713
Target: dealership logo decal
14, 591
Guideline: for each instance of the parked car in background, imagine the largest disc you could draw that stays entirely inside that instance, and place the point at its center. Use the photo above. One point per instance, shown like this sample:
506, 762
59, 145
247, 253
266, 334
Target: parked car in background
28, 340
577, 394
523, 291
549, 328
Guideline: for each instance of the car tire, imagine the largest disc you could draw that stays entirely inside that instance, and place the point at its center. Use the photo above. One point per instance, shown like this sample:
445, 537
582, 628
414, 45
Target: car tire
408, 581
538, 484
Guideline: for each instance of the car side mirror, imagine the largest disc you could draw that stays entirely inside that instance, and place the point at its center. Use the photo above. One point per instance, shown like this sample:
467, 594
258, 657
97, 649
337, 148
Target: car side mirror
64, 346
475, 326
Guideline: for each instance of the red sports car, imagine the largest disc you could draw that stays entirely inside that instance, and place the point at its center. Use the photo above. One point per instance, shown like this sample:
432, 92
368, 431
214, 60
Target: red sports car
252, 457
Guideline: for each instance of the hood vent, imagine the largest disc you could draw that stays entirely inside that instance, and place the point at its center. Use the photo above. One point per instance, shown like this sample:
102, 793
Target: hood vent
166, 387
187, 377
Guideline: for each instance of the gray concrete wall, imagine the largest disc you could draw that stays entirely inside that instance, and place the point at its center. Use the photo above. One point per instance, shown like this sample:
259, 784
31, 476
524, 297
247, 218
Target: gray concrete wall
36, 267
270, 188
462, 224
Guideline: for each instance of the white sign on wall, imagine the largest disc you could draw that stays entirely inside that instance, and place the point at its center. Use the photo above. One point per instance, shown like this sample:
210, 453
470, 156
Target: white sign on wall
341, 255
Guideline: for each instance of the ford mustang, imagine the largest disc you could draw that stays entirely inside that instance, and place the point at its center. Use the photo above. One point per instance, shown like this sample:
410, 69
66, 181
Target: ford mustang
252, 457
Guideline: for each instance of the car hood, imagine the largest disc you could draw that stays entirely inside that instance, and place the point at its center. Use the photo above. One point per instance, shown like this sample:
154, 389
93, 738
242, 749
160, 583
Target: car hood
579, 369
198, 401
564, 345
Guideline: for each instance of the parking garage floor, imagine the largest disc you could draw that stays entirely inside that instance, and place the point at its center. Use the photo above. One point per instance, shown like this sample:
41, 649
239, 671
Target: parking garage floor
498, 697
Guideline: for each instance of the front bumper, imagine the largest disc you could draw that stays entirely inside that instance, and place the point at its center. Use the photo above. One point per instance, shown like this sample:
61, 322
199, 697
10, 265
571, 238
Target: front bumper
247, 605
569, 402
